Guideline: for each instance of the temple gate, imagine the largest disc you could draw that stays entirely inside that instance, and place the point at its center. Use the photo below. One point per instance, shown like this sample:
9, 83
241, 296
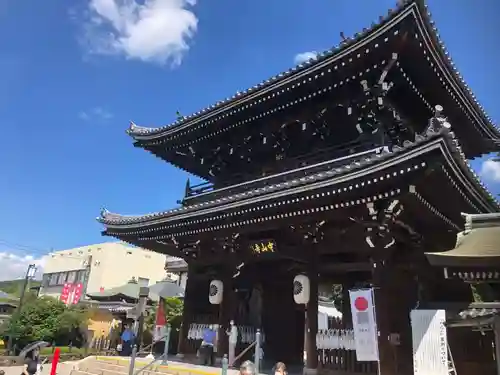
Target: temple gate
344, 170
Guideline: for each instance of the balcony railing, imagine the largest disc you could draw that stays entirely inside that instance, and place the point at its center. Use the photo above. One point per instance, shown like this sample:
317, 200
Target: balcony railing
206, 191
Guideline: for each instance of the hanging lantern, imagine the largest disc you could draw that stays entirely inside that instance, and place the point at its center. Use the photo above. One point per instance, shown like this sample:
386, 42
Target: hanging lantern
301, 289
215, 292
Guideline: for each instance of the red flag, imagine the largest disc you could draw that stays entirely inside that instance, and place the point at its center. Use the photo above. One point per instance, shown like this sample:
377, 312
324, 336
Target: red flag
65, 293
77, 293
160, 314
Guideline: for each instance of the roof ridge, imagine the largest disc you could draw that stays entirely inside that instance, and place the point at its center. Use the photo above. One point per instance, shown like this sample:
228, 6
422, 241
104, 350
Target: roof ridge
135, 130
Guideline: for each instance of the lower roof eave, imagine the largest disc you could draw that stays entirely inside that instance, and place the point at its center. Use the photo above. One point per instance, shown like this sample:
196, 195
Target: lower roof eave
442, 260
356, 174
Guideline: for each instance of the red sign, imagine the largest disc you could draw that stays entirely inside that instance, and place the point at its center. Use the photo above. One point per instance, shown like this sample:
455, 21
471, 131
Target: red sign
65, 293
160, 314
71, 293
77, 293
361, 304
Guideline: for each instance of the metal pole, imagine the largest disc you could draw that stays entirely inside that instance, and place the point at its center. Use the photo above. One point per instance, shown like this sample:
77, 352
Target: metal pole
257, 352
165, 350
132, 360
225, 365
55, 361
29, 274
496, 331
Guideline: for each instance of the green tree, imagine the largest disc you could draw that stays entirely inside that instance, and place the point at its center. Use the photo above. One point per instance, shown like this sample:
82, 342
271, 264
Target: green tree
172, 307
337, 296
45, 319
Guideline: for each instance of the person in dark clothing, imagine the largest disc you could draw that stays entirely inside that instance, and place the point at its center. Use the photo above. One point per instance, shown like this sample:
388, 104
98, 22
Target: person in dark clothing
127, 339
31, 362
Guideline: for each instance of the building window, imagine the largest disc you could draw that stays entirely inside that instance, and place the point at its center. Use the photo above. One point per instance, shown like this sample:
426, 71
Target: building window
80, 276
53, 279
143, 281
61, 278
45, 280
71, 277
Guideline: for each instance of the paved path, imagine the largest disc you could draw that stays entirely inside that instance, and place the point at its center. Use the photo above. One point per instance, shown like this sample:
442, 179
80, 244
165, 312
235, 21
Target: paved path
63, 368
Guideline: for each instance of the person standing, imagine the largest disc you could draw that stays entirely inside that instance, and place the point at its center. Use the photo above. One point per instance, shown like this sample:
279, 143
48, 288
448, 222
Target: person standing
31, 362
233, 341
127, 339
207, 346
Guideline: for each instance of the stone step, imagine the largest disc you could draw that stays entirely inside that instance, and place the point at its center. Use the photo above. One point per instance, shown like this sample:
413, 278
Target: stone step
114, 367
120, 366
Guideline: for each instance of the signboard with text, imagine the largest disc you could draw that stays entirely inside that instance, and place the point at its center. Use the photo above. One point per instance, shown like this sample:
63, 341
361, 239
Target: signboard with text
263, 246
430, 343
364, 324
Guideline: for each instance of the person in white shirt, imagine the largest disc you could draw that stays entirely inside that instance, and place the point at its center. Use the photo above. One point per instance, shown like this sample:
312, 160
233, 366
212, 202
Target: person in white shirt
233, 340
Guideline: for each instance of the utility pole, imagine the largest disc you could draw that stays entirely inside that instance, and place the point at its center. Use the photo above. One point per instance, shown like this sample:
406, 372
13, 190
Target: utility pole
30, 273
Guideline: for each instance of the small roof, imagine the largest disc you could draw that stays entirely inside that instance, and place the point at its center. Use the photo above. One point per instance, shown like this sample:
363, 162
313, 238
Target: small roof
112, 306
4, 295
477, 246
474, 318
129, 291
167, 289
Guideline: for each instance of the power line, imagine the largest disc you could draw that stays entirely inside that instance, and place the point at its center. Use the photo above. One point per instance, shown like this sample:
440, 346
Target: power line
21, 247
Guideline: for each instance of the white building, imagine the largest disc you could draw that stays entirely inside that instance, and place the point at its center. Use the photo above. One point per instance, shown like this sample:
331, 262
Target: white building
99, 267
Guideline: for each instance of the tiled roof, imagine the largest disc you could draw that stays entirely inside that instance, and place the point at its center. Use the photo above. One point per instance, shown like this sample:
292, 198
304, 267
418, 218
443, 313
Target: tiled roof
404, 8
478, 245
363, 164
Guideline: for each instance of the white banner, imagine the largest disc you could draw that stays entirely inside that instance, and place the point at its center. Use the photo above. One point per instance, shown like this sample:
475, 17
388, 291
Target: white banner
364, 324
430, 343
160, 333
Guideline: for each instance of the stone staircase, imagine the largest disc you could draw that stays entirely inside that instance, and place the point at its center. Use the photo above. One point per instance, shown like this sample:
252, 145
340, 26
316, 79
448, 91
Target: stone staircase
120, 366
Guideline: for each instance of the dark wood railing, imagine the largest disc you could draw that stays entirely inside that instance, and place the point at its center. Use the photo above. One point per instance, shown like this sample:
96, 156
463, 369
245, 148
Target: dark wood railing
207, 190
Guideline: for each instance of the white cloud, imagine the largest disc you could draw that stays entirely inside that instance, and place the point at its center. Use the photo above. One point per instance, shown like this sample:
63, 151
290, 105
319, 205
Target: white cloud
490, 170
305, 56
96, 114
148, 30
14, 266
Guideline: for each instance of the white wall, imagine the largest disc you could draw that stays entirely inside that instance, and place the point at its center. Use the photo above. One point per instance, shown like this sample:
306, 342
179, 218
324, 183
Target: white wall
112, 265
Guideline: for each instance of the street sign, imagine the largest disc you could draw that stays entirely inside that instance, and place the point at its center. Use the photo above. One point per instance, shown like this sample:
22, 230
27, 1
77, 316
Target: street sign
364, 324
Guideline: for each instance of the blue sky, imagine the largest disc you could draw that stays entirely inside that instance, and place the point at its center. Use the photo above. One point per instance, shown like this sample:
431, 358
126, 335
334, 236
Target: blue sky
68, 90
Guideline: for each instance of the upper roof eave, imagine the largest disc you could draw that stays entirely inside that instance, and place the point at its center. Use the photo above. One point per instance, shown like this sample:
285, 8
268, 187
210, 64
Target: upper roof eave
404, 8
432, 141
324, 58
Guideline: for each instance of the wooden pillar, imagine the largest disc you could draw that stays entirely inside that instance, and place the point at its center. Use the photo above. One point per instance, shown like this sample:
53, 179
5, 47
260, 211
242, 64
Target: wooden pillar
311, 365
346, 304
380, 271
396, 294
186, 313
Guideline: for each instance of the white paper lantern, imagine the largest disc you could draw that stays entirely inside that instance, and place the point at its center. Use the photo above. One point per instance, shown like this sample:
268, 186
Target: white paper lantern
301, 289
215, 292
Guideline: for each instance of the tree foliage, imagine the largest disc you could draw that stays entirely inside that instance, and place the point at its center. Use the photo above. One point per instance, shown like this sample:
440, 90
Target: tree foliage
45, 319
172, 306
14, 287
